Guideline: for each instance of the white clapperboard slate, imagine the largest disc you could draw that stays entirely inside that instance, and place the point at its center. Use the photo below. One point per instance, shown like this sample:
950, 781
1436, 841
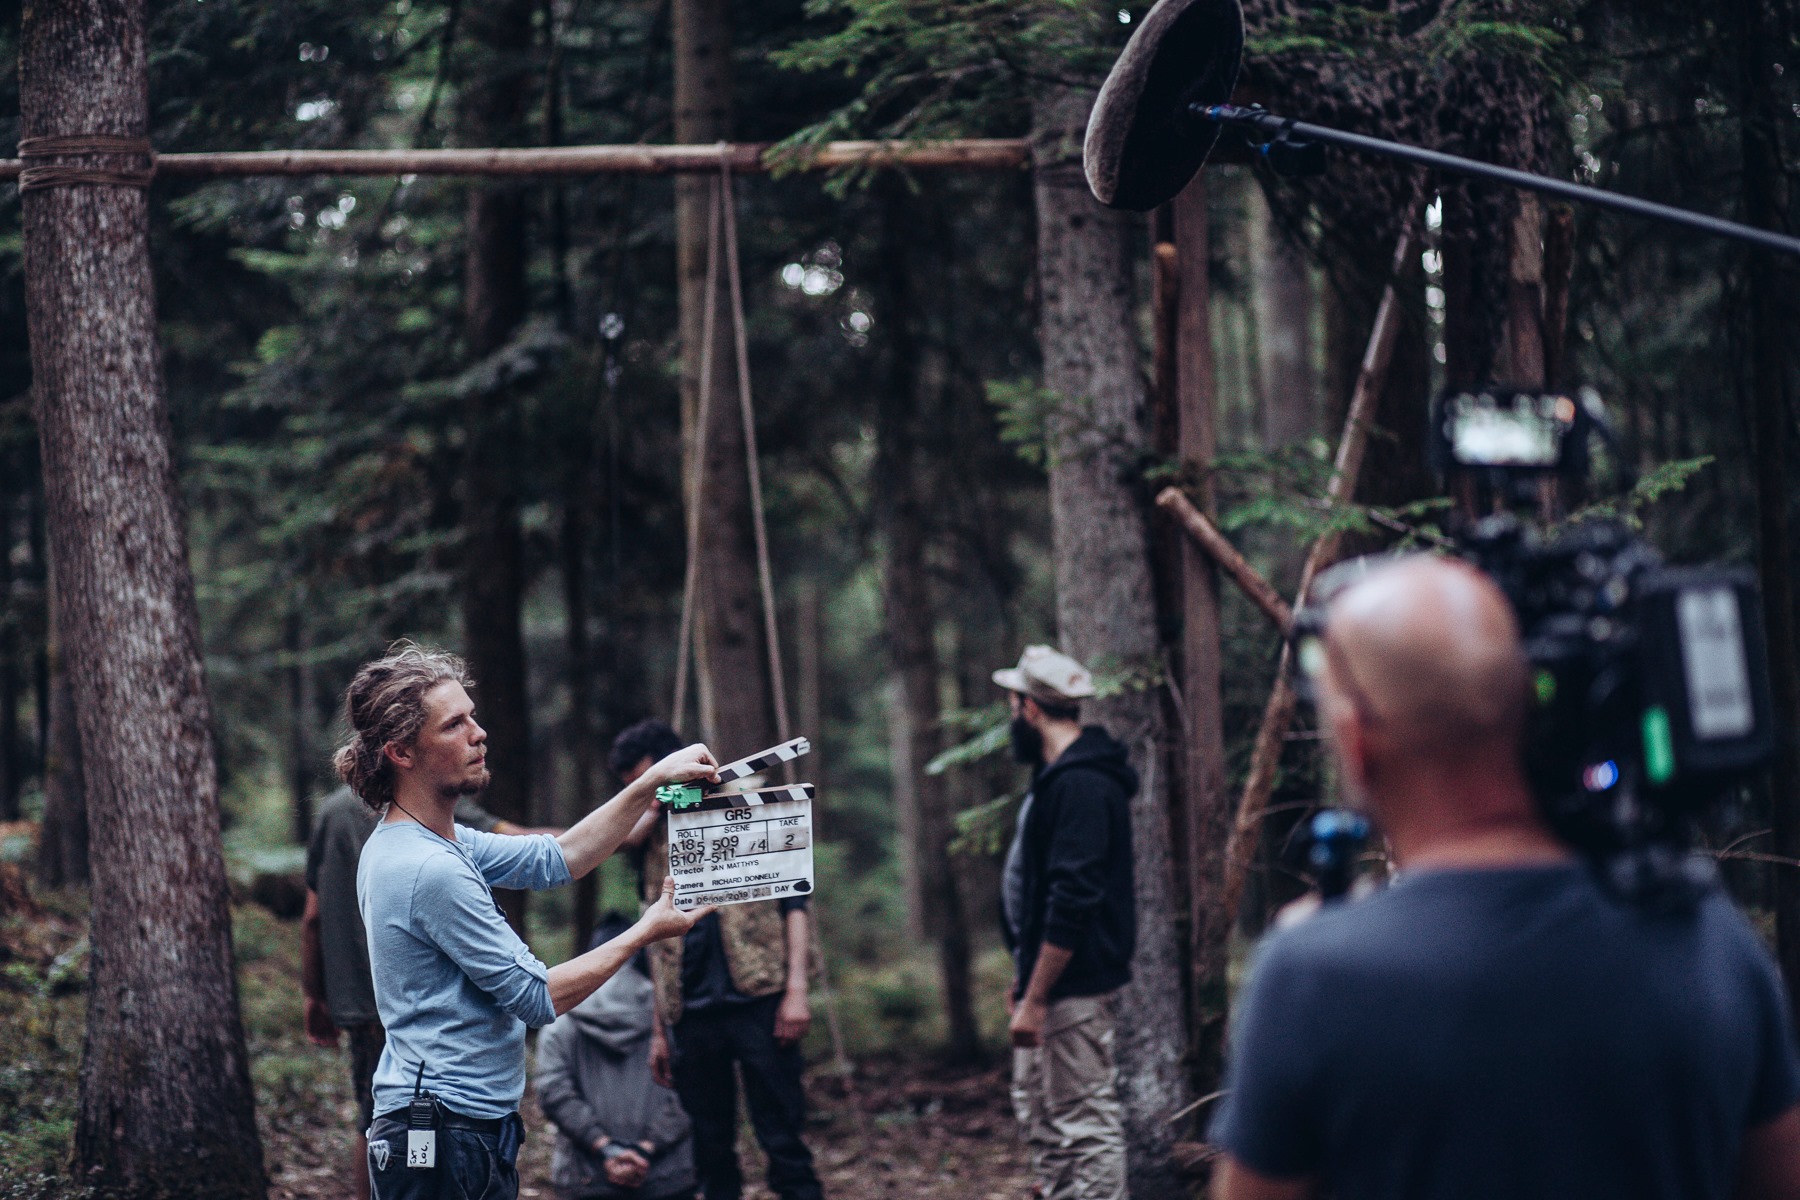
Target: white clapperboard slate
739, 847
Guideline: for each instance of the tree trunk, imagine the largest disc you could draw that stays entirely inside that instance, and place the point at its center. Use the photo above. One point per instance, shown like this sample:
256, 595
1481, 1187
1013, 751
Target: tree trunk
166, 1105
1208, 801
1103, 589
11, 762
1282, 295
736, 710
901, 491
63, 837
1762, 179
301, 704
494, 110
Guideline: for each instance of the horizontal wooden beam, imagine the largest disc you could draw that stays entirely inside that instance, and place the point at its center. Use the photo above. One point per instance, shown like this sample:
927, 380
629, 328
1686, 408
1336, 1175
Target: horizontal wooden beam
969, 154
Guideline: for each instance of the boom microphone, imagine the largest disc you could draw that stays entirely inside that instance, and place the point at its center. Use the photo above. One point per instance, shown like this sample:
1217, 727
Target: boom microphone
1160, 111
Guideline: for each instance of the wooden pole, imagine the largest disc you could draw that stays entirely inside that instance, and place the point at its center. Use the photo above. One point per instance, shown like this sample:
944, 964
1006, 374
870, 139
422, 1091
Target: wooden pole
1262, 593
1278, 714
974, 154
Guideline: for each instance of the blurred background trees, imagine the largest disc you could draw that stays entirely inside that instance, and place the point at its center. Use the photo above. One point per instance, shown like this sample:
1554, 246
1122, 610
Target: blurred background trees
429, 408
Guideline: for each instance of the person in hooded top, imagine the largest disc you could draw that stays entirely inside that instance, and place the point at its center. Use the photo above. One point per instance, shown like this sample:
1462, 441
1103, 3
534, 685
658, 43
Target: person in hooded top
621, 1134
1069, 903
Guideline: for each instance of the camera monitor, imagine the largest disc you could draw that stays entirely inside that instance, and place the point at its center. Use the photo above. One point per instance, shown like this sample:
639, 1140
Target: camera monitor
1501, 428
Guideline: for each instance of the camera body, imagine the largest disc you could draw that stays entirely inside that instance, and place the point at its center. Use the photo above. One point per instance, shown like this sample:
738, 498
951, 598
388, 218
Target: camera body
1649, 682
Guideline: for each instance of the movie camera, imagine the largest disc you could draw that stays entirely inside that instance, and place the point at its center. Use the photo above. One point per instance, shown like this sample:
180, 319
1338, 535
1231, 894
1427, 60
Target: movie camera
1650, 686
1648, 681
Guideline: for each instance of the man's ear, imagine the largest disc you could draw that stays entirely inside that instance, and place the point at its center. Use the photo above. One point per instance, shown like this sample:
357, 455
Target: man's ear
1028, 708
1350, 738
400, 756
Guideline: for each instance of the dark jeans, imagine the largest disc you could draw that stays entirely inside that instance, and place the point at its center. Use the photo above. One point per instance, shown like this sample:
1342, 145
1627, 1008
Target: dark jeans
470, 1165
706, 1044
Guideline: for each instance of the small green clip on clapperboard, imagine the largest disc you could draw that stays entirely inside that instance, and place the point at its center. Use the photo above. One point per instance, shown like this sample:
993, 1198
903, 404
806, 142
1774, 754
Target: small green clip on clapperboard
738, 847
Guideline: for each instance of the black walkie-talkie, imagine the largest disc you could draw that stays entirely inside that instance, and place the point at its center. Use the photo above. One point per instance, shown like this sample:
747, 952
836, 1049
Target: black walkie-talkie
421, 1125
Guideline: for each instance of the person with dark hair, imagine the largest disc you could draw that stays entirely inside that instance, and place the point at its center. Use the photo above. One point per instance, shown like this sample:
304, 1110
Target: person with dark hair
732, 996
1496, 1023
455, 987
1070, 920
621, 1134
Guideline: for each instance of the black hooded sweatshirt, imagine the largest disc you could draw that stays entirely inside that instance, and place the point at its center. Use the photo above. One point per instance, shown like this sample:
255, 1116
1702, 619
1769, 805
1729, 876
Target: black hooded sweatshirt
1076, 871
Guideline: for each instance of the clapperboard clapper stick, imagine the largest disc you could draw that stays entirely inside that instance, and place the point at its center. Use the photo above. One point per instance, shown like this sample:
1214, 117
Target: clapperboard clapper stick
735, 847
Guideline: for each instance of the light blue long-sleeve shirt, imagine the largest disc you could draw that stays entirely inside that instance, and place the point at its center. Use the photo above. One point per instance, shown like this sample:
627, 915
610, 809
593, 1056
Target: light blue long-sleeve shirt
455, 986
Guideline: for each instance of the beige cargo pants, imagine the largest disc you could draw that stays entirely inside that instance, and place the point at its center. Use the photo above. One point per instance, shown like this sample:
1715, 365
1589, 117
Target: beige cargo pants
1064, 1095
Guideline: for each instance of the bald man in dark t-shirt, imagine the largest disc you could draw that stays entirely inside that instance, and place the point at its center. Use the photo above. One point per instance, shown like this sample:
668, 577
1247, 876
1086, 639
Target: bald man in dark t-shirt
1494, 1024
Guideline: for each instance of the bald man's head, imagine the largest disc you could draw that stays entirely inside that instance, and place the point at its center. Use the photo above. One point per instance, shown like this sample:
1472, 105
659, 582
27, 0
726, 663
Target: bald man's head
1426, 652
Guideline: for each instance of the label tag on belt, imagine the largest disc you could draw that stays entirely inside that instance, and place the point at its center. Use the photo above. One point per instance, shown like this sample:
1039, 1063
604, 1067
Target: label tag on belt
421, 1148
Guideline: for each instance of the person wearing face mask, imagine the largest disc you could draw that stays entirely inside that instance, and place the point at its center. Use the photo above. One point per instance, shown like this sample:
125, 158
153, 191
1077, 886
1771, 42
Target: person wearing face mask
1070, 923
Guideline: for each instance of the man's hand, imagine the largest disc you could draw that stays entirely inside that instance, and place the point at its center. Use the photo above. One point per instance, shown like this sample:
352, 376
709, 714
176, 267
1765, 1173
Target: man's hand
793, 1018
684, 766
627, 1170
1027, 1024
662, 1063
663, 920
320, 1030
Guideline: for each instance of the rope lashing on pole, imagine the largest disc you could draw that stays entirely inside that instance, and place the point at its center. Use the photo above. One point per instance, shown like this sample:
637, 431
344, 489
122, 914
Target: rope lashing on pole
33, 176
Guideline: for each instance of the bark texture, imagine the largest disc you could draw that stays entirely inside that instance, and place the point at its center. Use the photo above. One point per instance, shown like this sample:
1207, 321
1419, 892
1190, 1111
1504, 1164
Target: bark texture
1207, 806
495, 110
736, 707
166, 1106
63, 836
1103, 587
1770, 416
12, 766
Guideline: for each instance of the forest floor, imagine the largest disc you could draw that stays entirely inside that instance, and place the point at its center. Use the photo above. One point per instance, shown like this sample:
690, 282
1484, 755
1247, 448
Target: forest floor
932, 1130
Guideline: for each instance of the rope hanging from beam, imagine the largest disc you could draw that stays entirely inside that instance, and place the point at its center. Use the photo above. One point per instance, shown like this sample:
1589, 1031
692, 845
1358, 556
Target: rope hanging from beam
722, 242
68, 145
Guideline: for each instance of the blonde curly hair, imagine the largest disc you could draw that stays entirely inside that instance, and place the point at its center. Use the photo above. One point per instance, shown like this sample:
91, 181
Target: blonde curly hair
385, 705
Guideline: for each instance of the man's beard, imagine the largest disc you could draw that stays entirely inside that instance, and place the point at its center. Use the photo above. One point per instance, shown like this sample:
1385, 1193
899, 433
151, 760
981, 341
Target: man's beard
469, 785
1027, 743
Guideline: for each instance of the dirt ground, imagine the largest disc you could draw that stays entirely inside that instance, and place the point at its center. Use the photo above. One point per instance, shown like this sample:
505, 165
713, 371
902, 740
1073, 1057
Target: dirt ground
932, 1132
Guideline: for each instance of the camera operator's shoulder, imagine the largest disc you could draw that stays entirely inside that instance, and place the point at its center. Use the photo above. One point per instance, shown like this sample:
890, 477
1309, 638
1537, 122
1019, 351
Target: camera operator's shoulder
1344, 931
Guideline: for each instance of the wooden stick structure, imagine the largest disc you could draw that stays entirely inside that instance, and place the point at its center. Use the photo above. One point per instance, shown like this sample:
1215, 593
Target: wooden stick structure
1278, 713
969, 154
1262, 593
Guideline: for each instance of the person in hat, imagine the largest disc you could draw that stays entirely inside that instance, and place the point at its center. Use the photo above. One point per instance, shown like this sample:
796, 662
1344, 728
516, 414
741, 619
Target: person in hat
1070, 922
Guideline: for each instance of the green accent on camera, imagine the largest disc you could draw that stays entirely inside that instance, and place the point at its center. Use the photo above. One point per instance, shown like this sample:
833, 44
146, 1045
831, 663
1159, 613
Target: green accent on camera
1544, 685
1659, 745
679, 795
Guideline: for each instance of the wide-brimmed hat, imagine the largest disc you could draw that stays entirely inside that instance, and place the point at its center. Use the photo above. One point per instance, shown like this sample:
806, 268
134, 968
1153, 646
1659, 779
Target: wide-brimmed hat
1048, 676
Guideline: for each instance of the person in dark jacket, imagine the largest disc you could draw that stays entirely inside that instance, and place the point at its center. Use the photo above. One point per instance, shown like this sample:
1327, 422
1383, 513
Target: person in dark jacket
621, 1133
1071, 924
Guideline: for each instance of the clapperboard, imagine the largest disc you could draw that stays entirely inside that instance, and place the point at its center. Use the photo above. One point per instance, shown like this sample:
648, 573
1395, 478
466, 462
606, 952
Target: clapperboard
736, 847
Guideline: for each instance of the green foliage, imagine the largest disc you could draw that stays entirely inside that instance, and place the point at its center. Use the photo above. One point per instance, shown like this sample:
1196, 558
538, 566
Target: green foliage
983, 830
949, 68
990, 738
1024, 409
1529, 33
1662, 480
